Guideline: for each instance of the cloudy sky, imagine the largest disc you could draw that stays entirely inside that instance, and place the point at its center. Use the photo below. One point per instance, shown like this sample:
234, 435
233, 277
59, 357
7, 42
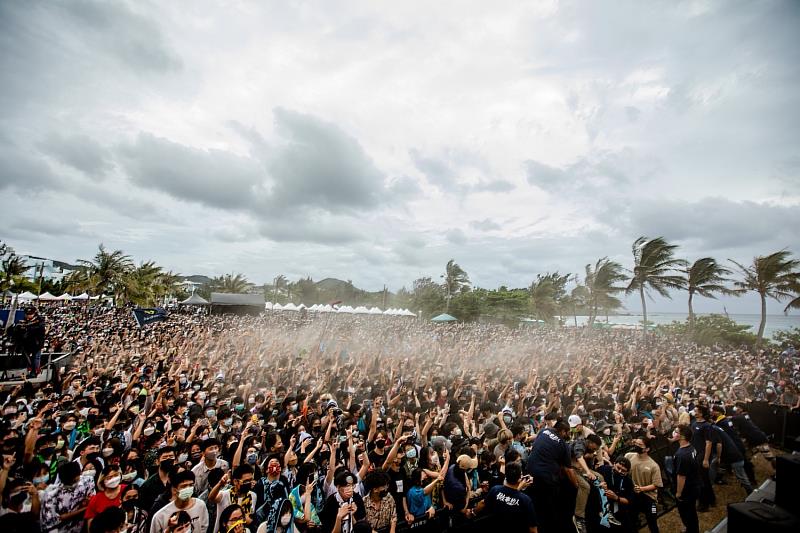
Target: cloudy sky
376, 140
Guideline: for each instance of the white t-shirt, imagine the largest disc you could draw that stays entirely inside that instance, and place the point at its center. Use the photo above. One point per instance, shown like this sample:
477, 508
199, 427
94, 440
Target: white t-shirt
197, 510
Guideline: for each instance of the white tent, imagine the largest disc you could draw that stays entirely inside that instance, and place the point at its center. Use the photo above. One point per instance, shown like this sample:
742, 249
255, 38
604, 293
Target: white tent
26, 296
65, 297
83, 296
361, 310
301, 307
290, 307
47, 297
346, 309
406, 312
390, 311
375, 311
267, 305
277, 307
327, 308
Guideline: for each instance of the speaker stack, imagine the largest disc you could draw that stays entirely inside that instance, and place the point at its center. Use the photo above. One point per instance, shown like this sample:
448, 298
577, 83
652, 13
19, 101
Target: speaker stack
781, 516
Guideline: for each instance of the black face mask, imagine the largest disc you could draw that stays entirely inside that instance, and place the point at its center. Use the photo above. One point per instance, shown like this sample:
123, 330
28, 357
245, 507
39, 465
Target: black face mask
18, 499
130, 505
638, 449
166, 464
380, 443
244, 488
44, 452
383, 492
92, 456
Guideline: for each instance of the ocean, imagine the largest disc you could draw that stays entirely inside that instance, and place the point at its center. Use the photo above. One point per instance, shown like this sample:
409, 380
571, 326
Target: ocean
774, 322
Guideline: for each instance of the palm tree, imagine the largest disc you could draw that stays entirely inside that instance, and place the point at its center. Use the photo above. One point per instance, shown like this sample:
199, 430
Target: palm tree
13, 266
455, 280
794, 303
601, 287
654, 262
704, 278
231, 283
770, 276
107, 270
548, 295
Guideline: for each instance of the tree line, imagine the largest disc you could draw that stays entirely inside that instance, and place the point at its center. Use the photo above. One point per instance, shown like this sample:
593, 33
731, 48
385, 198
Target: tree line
656, 269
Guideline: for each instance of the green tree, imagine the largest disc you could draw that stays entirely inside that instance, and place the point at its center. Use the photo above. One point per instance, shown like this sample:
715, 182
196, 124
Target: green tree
12, 265
455, 281
106, 272
655, 268
712, 330
427, 297
601, 287
547, 295
794, 303
788, 337
466, 306
230, 283
705, 277
771, 276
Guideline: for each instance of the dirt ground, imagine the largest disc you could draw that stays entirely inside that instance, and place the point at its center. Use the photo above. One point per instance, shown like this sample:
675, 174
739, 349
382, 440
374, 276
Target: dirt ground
729, 493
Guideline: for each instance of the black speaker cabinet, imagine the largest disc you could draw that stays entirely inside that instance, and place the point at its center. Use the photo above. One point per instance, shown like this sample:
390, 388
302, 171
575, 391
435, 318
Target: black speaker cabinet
787, 474
747, 517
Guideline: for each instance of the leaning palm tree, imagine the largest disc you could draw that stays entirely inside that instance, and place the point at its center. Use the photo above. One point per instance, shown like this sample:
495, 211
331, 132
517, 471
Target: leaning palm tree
107, 270
231, 283
601, 285
772, 276
12, 266
704, 278
655, 268
455, 280
794, 303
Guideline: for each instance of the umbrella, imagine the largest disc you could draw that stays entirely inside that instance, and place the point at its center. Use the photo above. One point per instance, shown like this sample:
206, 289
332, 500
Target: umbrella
444, 317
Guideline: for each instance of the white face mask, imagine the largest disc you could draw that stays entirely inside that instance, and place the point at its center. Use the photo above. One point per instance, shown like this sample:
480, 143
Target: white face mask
112, 482
185, 494
107, 452
149, 431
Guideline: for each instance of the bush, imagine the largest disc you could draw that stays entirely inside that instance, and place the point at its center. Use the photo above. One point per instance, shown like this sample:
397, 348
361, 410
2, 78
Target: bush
710, 330
788, 337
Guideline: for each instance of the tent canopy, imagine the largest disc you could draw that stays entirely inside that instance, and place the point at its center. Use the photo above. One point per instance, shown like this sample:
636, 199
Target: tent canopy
26, 296
64, 297
224, 298
194, 299
444, 317
83, 296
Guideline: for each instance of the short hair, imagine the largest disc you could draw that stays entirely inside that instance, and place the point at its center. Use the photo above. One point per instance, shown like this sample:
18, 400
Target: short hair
208, 443
685, 432
110, 519
214, 475
702, 410
241, 470
594, 439
164, 451
375, 479
513, 473
176, 477
561, 426
68, 472
646, 440
504, 435
622, 460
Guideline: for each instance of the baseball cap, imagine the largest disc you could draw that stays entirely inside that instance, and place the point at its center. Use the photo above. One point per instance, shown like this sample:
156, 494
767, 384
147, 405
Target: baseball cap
574, 421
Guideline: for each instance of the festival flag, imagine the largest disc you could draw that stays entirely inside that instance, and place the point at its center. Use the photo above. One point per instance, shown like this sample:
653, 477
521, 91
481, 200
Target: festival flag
147, 316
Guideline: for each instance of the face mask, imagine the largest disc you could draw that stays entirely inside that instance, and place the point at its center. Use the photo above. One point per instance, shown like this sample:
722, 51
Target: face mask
87, 473
183, 381
244, 488
293, 408
99, 432
60, 444
47, 451
149, 431
239, 407
252, 458
17, 499
456, 433
411, 453
204, 436
166, 464
211, 456
638, 449
40, 480
196, 386
274, 470
130, 476
383, 492
285, 519
129, 505
185, 494
227, 422
112, 482
69, 426
183, 457
380, 443
211, 413
107, 452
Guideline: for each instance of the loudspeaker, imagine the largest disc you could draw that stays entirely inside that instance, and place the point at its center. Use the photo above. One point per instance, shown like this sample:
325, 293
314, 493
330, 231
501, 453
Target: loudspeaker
747, 517
787, 474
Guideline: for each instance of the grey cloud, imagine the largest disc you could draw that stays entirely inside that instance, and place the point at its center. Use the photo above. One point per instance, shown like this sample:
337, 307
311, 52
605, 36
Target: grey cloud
456, 236
437, 171
211, 177
305, 227
25, 172
80, 152
129, 36
486, 224
497, 186
403, 188
719, 223
320, 165
544, 176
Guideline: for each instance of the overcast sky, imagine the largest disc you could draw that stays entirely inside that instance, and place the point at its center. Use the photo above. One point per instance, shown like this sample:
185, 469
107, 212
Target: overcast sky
374, 141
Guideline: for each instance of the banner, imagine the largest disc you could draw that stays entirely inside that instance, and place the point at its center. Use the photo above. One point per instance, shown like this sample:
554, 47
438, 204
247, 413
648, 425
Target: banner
147, 316
19, 316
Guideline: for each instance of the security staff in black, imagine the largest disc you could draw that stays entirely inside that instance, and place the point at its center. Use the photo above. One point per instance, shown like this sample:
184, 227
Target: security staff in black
703, 439
547, 462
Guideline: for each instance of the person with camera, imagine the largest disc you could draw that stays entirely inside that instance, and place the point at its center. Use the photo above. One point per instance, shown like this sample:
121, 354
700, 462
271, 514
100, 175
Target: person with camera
512, 508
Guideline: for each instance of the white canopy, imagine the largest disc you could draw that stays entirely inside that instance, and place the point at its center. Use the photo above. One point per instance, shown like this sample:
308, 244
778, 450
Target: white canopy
361, 310
83, 296
47, 297
375, 311
267, 305
277, 307
390, 311
26, 296
406, 312
65, 297
327, 308
290, 307
346, 309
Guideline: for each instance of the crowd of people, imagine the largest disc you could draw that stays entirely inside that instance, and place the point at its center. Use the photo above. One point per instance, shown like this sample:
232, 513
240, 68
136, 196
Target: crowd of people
285, 422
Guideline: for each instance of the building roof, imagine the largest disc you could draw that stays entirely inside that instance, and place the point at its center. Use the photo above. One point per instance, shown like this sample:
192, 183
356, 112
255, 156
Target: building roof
224, 298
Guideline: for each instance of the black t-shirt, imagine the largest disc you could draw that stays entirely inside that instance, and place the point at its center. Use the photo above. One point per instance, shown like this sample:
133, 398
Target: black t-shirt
549, 454
748, 430
513, 511
331, 509
730, 453
701, 432
687, 464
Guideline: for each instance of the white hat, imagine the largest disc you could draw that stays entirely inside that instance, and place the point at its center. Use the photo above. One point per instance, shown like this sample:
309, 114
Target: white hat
574, 421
